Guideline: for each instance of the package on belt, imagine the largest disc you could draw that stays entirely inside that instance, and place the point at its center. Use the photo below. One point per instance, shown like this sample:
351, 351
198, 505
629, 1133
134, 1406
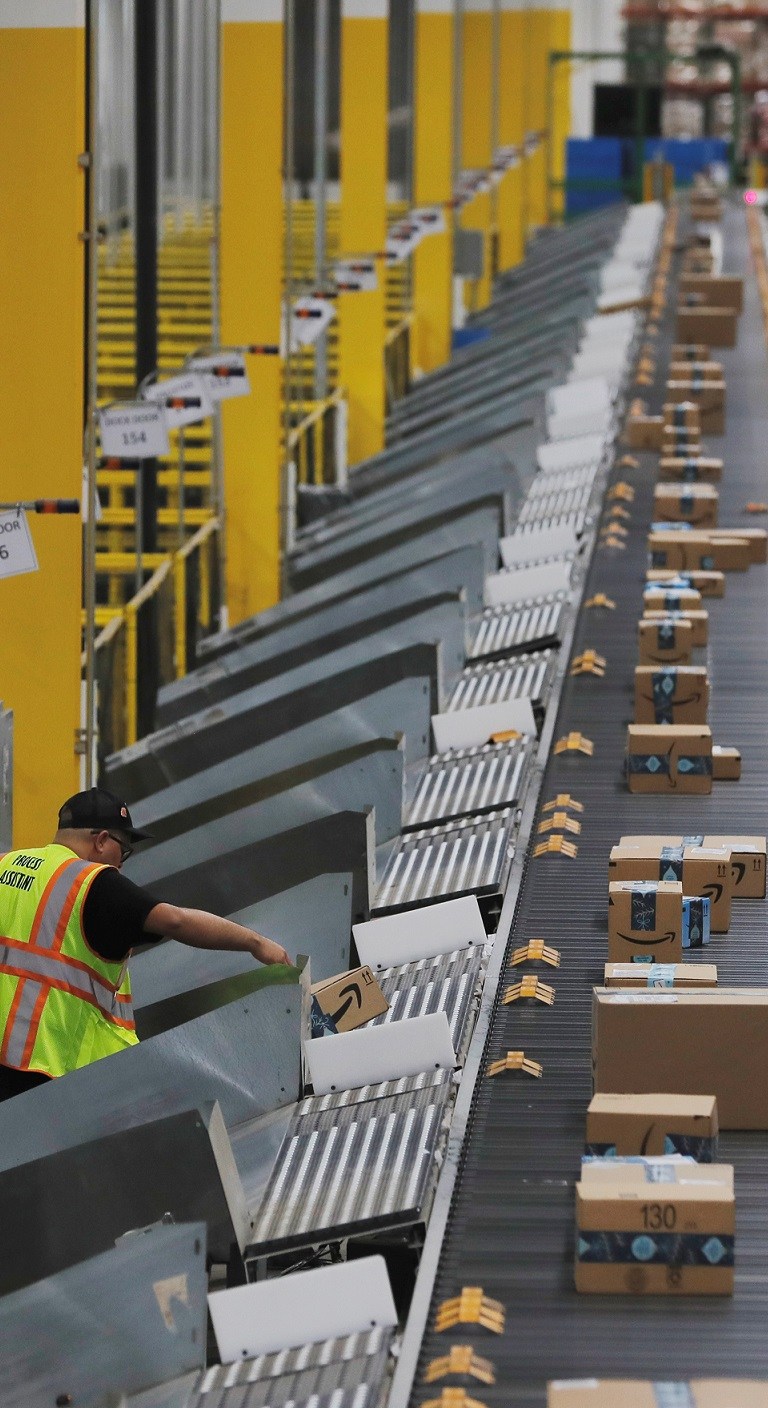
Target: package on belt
696, 616
652, 1124
671, 694
660, 976
703, 871
644, 1393
669, 758
645, 920
691, 469
664, 642
696, 504
708, 584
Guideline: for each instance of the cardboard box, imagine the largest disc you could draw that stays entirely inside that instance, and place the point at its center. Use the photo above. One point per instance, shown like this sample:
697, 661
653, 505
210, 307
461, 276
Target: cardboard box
645, 1230
644, 432
669, 758
693, 469
694, 550
715, 291
715, 326
689, 352
658, 597
652, 1124
701, 870
672, 694
664, 641
709, 396
347, 1001
645, 919
748, 857
687, 503
756, 538
697, 921
726, 764
655, 976
683, 416
711, 1041
637, 1393
693, 369
679, 440
709, 584
697, 619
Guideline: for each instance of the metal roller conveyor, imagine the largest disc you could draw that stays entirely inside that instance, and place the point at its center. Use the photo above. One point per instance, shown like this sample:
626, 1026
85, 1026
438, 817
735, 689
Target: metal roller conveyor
446, 983
505, 630
526, 677
460, 858
379, 1090
342, 1373
547, 505
467, 782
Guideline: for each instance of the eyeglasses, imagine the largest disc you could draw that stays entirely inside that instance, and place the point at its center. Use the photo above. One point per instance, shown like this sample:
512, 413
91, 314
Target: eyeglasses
125, 849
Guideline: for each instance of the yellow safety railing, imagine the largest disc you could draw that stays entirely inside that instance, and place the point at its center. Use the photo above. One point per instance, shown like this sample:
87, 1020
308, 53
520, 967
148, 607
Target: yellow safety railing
317, 442
397, 360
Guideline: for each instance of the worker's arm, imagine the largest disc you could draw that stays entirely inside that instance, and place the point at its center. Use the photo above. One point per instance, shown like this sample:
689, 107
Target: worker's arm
202, 930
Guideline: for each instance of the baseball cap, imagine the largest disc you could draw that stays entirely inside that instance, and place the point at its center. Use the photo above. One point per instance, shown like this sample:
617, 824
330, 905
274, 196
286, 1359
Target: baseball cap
102, 809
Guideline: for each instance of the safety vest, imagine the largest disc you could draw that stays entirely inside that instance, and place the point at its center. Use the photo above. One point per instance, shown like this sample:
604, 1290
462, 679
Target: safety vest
61, 1005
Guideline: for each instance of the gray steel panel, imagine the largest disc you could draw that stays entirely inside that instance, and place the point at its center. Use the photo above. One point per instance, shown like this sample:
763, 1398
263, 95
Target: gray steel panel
437, 618
132, 1317
381, 1090
352, 1369
460, 858
525, 677
540, 370
215, 1056
467, 782
507, 629
444, 984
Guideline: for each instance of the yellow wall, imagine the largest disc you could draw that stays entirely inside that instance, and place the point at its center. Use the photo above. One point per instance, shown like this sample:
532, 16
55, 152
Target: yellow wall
42, 125
432, 181
511, 131
476, 129
548, 27
251, 273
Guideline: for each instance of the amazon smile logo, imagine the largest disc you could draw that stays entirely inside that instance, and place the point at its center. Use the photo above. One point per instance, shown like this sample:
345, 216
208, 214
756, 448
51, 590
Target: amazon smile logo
667, 938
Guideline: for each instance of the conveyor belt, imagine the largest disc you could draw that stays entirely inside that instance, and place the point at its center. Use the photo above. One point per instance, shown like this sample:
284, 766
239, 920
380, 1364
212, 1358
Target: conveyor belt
525, 677
342, 1373
443, 984
511, 1224
467, 782
527, 625
469, 857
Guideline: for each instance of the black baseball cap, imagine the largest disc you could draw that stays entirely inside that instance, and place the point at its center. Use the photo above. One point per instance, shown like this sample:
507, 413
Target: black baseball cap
100, 809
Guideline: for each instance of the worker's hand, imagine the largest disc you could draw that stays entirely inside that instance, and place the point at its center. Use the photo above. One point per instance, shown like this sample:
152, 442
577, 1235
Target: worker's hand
269, 952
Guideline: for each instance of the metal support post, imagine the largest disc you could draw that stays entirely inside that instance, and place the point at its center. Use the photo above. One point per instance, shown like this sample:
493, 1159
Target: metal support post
321, 176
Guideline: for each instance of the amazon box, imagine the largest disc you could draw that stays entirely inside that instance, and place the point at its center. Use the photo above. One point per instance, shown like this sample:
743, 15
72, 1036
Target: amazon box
652, 1124
660, 975
645, 920
756, 538
655, 1228
709, 396
714, 291
715, 326
690, 352
671, 694
695, 370
695, 550
644, 432
696, 504
674, 758
700, 870
693, 469
340, 1004
641, 1393
697, 923
680, 440
658, 597
697, 619
713, 1041
726, 764
664, 641
748, 857
683, 416
708, 584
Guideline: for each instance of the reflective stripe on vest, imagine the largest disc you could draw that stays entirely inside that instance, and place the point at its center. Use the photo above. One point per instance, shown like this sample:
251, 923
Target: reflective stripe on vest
41, 968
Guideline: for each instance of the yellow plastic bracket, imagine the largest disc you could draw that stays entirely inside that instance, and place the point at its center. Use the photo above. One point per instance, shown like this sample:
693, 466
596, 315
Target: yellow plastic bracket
515, 1061
610, 540
600, 599
505, 735
622, 490
575, 743
560, 821
612, 525
535, 951
563, 799
755, 508
556, 846
461, 1360
628, 462
453, 1398
588, 663
530, 986
618, 512
471, 1307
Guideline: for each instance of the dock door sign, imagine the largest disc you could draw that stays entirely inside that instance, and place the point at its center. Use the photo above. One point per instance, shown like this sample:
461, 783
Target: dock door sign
224, 373
17, 551
133, 430
184, 399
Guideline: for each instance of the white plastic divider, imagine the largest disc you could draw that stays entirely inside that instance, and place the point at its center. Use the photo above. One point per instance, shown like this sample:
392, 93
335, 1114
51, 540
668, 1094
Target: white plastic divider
420, 933
504, 588
373, 1054
287, 1312
529, 545
558, 455
470, 728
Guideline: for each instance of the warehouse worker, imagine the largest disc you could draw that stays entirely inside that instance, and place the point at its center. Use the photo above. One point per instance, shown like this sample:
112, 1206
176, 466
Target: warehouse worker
68, 923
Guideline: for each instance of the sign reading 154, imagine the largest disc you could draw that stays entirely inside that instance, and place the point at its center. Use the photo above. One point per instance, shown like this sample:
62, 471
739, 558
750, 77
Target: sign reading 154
133, 430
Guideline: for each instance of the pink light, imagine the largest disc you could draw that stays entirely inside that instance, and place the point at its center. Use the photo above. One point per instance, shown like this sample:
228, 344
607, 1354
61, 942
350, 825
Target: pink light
750, 197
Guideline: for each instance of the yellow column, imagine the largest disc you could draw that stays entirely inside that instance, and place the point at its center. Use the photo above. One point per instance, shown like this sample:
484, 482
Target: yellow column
536, 117
476, 129
511, 131
251, 276
42, 290
364, 104
560, 39
432, 179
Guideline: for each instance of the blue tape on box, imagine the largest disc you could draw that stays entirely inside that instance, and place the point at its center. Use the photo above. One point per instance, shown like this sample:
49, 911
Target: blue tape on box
657, 1248
702, 1149
687, 503
698, 766
690, 471
666, 636
661, 975
674, 1395
693, 840
671, 863
643, 909
663, 686
696, 920
679, 415
650, 763
321, 1023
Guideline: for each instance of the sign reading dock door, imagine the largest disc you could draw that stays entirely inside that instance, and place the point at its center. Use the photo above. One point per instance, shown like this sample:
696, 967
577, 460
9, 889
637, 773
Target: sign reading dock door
309, 319
184, 399
430, 219
17, 551
133, 430
224, 374
356, 275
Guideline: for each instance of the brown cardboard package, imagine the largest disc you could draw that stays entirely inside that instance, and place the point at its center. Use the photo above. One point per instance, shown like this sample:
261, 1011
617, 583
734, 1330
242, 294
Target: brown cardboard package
692, 370
645, 920
726, 764
350, 999
682, 415
637, 1393
689, 352
697, 469
748, 858
652, 1124
671, 599
675, 694
708, 583
757, 540
709, 396
697, 619
644, 432
637, 1235
680, 441
696, 504
715, 291
699, 550
669, 758
647, 975
664, 642
701, 870
715, 326
712, 1041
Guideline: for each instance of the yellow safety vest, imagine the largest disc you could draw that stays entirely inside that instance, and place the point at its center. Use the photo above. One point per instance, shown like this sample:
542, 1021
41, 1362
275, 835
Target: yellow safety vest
61, 1005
